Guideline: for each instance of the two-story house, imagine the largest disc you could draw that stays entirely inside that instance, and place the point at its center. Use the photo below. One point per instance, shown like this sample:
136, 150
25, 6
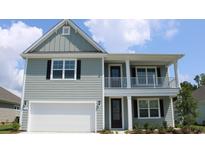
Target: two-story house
72, 84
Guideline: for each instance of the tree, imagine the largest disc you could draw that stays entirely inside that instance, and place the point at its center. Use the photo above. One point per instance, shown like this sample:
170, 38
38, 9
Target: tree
200, 79
188, 85
197, 79
186, 105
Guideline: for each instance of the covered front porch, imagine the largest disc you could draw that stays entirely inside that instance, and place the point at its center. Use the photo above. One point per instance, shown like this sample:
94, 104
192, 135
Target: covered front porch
124, 112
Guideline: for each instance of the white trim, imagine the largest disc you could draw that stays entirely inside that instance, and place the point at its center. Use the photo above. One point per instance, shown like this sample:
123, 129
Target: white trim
60, 102
176, 74
22, 94
127, 63
172, 110
146, 67
63, 70
148, 99
109, 75
103, 92
122, 112
129, 111
61, 23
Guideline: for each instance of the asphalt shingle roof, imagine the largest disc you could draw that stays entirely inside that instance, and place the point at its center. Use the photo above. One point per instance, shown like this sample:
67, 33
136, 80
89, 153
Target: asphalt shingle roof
199, 94
7, 96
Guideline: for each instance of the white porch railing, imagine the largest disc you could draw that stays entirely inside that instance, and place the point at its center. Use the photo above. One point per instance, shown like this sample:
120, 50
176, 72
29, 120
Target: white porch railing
140, 81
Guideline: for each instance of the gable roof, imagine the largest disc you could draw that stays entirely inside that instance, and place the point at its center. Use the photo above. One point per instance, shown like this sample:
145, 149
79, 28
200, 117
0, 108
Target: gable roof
199, 94
7, 96
57, 26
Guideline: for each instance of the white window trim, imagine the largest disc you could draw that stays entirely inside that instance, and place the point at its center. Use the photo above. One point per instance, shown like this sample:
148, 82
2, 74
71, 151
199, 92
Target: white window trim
63, 30
146, 67
63, 75
148, 99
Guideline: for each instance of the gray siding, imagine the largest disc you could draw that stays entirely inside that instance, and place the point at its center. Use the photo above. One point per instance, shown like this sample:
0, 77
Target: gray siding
89, 87
167, 115
201, 111
156, 122
58, 42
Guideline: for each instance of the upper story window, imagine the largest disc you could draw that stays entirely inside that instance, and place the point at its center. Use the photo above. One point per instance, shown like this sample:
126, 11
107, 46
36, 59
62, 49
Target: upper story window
146, 75
63, 69
66, 30
148, 108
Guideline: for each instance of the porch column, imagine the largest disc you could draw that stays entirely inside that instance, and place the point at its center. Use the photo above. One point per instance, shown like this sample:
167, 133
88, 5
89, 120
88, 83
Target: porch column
129, 107
176, 74
128, 73
172, 110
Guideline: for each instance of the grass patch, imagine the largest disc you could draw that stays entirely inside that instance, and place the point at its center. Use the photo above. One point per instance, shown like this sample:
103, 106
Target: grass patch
10, 128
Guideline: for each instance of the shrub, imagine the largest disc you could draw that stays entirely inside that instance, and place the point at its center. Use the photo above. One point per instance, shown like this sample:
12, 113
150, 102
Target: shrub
164, 123
186, 130
16, 120
162, 130
15, 126
146, 126
105, 131
170, 129
3, 123
203, 122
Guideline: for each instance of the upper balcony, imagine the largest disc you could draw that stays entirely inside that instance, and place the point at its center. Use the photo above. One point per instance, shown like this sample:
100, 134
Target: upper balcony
141, 75
140, 82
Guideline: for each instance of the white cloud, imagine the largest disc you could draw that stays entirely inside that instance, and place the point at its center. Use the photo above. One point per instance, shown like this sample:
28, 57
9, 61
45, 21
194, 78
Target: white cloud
13, 41
184, 77
121, 35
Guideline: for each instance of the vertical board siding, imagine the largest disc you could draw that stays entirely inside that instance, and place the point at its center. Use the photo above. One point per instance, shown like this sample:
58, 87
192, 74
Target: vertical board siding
58, 42
89, 87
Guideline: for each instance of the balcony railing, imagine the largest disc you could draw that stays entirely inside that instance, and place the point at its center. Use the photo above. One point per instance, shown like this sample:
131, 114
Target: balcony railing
140, 81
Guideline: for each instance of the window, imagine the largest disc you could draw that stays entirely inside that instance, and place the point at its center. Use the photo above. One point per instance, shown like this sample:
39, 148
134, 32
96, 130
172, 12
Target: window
148, 108
16, 107
146, 75
66, 30
63, 69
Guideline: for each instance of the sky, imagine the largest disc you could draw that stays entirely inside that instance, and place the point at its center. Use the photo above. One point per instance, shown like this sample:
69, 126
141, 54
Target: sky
125, 36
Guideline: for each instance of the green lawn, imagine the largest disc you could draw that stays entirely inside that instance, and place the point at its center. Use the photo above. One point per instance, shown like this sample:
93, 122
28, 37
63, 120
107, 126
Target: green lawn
7, 129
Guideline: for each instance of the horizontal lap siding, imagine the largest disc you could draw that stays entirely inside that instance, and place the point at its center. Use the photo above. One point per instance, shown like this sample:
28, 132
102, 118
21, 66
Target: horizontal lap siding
89, 87
167, 115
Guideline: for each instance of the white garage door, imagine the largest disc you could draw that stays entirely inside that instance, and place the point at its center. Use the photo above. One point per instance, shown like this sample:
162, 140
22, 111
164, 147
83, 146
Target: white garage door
62, 117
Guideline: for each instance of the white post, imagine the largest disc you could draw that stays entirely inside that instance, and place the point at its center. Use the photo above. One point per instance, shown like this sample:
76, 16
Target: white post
176, 74
172, 110
128, 73
129, 107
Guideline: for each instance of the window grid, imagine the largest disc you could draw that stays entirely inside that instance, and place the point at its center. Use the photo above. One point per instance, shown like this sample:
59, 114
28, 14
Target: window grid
146, 75
64, 69
148, 108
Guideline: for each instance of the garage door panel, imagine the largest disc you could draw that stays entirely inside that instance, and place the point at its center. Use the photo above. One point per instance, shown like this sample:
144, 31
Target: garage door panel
62, 117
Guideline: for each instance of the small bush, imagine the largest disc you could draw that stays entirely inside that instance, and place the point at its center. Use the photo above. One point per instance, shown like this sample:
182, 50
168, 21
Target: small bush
203, 122
3, 123
16, 120
105, 131
146, 126
170, 129
15, 126
164, 124
162, 130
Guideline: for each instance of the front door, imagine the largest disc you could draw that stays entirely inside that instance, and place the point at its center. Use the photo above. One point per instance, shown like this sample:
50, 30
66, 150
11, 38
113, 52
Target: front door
115, 74
116, 113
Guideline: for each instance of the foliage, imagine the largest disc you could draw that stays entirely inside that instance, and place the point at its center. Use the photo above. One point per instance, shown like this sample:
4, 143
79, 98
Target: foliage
105, 131
188, 85
186, 106
200, 79
15, 126
146, 126
164, 124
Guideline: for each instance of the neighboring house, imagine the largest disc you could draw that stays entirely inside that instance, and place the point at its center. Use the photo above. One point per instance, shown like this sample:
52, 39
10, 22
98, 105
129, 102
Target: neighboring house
72, 84
199, 95
9, 106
